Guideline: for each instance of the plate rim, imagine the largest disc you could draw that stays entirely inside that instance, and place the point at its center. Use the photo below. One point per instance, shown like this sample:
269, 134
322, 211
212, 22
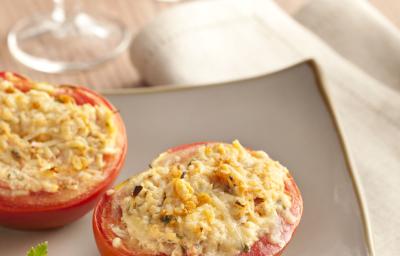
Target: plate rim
320, 80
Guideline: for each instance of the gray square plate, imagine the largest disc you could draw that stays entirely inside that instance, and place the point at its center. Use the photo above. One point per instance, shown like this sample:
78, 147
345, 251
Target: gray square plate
285, 114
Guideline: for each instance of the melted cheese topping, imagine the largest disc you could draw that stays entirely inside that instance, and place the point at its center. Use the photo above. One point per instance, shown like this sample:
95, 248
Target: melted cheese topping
49, 143
216, 199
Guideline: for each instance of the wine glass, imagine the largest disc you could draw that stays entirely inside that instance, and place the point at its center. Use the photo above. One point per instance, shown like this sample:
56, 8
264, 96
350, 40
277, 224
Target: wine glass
67, 39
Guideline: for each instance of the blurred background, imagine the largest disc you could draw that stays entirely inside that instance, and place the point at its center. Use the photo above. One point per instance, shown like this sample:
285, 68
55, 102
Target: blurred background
118, 72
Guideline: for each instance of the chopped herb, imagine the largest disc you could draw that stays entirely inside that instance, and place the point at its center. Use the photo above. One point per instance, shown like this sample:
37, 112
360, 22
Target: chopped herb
53, 169
183, 174
240, 204
245, 248
190, 163
258, 200
166, 218
15, 154
137, 190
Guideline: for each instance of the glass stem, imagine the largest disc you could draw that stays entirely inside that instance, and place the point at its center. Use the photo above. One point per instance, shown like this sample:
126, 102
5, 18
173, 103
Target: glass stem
64, 10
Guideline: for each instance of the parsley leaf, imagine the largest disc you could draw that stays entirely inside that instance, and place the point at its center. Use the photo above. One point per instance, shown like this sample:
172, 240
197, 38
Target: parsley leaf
39, 250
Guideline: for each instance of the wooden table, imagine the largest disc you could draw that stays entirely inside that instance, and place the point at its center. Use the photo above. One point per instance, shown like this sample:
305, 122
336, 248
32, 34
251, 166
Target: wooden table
134, 13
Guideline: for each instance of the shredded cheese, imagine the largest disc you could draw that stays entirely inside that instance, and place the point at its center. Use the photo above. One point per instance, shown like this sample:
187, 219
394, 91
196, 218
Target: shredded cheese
216, 199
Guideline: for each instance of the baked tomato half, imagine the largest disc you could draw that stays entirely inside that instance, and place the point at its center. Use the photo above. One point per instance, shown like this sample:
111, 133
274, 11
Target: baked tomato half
61, 148
114, 226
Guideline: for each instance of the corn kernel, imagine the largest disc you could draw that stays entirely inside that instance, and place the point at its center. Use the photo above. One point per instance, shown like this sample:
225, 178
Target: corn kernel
204, 198
207, 150
63, 98
190, 205
236, 144
183, 189
43, 137
209, 215
176, 172
221, 149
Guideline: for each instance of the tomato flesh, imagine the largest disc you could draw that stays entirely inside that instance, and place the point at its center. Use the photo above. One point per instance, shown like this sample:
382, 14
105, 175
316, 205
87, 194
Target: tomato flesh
103, 217
20, 212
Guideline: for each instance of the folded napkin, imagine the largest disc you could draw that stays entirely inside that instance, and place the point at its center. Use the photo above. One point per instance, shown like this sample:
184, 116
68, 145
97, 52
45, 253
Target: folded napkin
358, 32
357, 50
369, 109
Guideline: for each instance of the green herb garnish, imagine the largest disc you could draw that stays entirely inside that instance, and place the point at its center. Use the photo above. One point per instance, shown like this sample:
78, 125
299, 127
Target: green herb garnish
166, 218
137, 190
183, 175
38, 250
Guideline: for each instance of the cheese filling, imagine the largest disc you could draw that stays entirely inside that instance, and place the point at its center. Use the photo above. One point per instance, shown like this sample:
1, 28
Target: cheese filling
216, 199
49, 143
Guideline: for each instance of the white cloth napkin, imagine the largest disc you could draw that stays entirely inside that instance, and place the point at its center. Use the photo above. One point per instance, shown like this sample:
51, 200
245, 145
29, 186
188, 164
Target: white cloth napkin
358, 32
369, 109
357, 50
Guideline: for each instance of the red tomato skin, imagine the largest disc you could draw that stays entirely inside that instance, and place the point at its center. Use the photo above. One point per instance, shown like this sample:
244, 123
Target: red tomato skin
58, 216
105, 246
187, 146
260, 248
102, 235
17, 216
263, 247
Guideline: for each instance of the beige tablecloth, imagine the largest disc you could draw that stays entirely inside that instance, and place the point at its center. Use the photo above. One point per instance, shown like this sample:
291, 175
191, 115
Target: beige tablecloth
356, 48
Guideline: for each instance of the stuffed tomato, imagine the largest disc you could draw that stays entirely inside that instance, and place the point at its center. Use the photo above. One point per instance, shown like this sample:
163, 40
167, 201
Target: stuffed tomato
201, 199
61, 147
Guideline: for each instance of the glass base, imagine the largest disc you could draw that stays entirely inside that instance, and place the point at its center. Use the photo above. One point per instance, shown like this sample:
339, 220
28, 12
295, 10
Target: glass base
80, 42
